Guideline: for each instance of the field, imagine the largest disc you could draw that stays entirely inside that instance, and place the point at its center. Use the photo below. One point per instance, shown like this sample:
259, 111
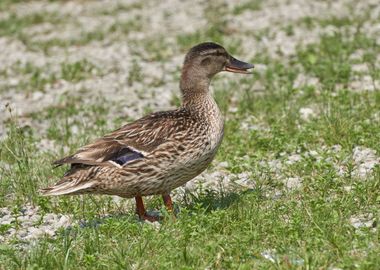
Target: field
295, 184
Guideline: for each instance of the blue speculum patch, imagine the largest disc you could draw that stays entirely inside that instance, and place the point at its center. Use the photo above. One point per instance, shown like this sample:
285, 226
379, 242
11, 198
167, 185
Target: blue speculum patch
128, 157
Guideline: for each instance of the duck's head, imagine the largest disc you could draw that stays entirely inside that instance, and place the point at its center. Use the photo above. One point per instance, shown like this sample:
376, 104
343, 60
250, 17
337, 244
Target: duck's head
205, 60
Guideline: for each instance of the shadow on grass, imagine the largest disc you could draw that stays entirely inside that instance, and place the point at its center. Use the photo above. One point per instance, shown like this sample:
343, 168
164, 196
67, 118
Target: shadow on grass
209, 200
212, 200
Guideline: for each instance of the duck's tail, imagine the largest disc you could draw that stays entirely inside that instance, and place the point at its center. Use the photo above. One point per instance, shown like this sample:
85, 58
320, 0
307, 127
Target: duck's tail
66, 186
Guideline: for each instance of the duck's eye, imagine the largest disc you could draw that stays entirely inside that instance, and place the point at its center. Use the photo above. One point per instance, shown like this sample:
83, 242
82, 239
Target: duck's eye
206, 61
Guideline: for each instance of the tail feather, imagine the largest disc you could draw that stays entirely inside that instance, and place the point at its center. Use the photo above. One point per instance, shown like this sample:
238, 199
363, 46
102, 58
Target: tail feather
66, 188
63, 161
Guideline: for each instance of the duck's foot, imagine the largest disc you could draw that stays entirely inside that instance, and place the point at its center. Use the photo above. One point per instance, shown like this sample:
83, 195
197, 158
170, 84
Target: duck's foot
143, 215
141, 212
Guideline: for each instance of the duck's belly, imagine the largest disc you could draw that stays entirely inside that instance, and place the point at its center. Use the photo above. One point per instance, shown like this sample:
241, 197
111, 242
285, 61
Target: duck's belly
167, 180
188, 171
191, 162
191, 165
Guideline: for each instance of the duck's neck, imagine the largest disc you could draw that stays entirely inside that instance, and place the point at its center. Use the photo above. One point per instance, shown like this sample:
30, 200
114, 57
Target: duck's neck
194, 86
201, 103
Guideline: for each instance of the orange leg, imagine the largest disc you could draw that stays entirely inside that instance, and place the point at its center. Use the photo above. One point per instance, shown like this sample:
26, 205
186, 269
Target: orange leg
140, 209
168, 202
169, 205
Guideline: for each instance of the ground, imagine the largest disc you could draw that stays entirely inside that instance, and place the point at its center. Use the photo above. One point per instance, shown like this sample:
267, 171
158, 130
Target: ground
295, 184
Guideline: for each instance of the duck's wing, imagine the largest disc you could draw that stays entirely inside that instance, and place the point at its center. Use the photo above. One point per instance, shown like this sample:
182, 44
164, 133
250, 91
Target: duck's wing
132, 141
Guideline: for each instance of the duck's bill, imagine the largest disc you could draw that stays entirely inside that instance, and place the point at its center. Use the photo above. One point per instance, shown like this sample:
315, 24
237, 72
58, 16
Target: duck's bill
238, 66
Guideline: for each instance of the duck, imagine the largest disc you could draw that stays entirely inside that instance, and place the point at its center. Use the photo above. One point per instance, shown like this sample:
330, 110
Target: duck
161, 151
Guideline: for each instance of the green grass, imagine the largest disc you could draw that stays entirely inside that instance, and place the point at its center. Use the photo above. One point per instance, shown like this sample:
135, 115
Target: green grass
77, 71
308, 228
14, 25
37, 78
249, 5
216, 30
329, 60
114, 31
122, 7
303, 228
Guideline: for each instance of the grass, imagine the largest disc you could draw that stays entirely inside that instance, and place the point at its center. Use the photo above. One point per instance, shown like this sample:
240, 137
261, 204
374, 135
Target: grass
216, 30
266, 226
14, 24
329, 60
247, 6
37, 78
86, 37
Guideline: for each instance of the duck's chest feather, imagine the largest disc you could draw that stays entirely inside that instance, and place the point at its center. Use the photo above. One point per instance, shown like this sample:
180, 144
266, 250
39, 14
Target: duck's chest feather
198, 147
204, 138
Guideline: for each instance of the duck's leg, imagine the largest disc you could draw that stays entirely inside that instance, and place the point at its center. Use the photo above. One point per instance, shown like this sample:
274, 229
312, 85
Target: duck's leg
140, 209
168, 203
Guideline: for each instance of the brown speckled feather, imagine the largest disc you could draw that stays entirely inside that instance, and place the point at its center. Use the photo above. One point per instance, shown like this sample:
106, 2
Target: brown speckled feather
143, 135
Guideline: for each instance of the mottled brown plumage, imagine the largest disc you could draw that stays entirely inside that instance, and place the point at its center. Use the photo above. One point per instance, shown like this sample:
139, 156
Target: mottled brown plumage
161, 151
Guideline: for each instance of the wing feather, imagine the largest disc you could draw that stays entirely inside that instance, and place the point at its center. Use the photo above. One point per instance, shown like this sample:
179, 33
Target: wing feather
132, 141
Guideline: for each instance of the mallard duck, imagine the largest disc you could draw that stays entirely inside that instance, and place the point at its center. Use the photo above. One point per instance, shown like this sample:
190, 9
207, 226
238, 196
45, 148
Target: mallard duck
161, 151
